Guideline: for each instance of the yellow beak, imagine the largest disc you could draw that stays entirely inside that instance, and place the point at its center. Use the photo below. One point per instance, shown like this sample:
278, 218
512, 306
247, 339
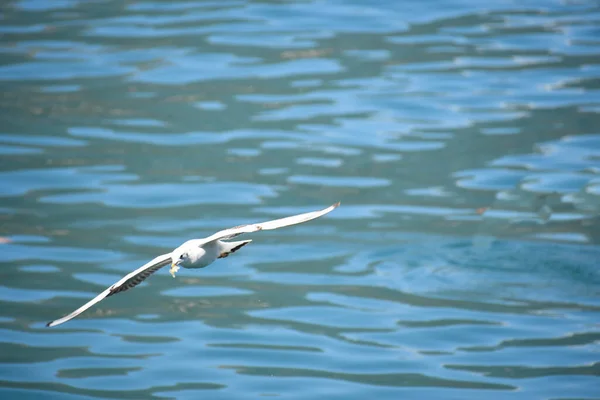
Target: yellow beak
174, 269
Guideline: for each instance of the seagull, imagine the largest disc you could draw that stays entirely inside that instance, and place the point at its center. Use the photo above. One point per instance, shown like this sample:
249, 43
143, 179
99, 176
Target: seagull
195, 253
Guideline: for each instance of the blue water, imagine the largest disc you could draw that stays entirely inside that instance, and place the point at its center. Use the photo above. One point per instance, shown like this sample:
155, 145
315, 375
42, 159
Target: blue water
461, 137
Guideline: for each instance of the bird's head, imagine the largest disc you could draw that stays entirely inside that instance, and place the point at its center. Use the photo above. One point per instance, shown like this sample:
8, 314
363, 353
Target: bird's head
178, 257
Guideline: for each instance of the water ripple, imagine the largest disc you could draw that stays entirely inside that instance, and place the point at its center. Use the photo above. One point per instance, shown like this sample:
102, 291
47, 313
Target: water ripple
461, 138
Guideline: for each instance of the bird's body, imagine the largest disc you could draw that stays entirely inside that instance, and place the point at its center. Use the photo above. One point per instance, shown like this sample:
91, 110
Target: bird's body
196, 253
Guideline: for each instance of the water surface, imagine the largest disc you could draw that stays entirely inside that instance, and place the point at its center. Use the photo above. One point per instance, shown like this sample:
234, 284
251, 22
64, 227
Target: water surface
461, 137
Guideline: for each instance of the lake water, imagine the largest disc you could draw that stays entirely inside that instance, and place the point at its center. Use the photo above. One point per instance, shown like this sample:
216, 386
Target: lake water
462, 138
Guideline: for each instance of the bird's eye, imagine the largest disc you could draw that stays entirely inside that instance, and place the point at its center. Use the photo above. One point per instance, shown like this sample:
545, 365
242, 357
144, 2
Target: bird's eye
181, 257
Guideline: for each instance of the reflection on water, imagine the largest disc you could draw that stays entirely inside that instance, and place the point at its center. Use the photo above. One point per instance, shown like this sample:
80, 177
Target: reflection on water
461, 138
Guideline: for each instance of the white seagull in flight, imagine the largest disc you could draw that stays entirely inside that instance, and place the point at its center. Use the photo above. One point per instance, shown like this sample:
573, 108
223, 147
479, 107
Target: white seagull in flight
195, 253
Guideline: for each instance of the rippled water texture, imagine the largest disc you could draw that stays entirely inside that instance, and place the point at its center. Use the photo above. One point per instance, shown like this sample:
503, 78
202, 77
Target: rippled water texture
462, 138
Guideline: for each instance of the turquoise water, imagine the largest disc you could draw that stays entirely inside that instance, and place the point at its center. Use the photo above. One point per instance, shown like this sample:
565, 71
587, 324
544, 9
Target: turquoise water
461, 137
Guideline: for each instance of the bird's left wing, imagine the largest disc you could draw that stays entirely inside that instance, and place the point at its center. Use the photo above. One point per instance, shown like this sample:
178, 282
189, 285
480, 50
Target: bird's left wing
127, 282
268, 225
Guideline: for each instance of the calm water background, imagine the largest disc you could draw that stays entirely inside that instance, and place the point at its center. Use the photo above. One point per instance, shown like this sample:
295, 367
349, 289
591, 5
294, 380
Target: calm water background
462, 138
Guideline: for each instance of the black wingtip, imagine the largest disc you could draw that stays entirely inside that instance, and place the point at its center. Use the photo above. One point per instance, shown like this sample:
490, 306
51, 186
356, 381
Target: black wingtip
49, 324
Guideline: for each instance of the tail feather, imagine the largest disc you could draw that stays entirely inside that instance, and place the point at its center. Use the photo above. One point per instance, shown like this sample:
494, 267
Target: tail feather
231, 247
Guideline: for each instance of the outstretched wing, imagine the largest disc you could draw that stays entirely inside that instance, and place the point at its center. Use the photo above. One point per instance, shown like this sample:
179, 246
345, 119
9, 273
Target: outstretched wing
268, 225
127, 282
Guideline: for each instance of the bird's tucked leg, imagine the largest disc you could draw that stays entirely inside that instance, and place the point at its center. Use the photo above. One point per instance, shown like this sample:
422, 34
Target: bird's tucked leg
231, 247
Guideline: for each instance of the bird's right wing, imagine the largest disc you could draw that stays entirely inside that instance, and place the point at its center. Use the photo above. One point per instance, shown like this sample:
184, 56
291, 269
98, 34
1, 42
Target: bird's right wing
268, 225
127, 282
